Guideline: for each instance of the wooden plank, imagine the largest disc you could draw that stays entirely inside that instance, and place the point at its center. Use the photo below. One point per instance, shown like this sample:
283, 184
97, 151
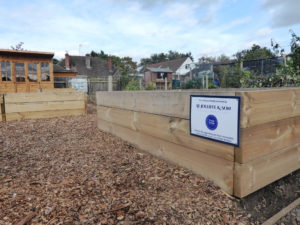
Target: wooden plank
168, 103
43, 97
59, 90
264, 106
282, 213
266, 138
170, 129
219, 170
257, 104
43, 106
44, 114
251, 176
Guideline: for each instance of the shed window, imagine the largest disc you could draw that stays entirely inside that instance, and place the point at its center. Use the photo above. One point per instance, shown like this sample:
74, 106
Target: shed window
32, 72
20, 72
162, 75
45, 71
5, 71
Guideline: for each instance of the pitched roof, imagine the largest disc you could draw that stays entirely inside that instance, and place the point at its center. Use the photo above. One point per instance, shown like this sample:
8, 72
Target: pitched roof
171, 64
159, 70
99, 67
59, 69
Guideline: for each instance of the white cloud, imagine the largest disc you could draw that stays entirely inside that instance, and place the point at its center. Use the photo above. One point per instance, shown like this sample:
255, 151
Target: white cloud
283, 12
264, 31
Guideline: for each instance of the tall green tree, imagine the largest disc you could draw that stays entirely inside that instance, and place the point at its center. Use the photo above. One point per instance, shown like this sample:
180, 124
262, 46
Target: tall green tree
125, 64
255, 52
161, 57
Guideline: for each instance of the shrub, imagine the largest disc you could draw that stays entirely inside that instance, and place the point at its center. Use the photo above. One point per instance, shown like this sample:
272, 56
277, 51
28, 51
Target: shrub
133, 85
150, 86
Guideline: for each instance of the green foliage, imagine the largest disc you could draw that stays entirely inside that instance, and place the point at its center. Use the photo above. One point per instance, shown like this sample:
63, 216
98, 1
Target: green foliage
194, 83
125, 64
255, 52
212, 86
150, 86
55, 61
132, 85
161, 57
122, 81
295, 53
209, 59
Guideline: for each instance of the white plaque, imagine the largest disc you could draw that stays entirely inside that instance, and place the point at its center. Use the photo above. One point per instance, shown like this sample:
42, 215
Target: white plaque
216, 118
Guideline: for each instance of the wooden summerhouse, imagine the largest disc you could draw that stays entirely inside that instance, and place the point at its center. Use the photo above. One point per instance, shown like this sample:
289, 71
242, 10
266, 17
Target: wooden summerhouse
25, 71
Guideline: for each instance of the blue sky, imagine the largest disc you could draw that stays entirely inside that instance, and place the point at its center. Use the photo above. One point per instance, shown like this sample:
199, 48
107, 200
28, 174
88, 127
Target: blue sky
140, 28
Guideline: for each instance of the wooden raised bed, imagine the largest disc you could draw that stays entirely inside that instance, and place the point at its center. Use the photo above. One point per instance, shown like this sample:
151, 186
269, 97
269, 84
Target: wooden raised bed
158, 122
44, 105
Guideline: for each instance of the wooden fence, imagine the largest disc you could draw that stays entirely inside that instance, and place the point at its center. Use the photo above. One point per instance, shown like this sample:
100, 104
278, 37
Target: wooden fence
46, 104
158, 122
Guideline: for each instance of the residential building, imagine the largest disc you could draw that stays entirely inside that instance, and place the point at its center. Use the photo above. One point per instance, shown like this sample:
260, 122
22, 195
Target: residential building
179, 67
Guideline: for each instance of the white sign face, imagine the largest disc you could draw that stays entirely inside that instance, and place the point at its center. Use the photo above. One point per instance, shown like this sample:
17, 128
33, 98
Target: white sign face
216, 118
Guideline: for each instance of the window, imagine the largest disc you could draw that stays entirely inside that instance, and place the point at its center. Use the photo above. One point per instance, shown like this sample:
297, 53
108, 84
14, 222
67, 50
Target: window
45, 71
5, 71
162, 75
20, 72
32, 72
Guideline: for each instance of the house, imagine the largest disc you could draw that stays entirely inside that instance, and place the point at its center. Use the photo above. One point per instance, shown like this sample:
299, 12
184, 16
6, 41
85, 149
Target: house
158, 77
89, 66
25, 71
179, 67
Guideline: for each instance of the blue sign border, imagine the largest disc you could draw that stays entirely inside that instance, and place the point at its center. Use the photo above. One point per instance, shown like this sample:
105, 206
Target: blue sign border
239, 113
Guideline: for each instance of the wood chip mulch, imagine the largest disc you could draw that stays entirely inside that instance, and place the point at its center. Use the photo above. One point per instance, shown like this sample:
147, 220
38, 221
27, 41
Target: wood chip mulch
66, 171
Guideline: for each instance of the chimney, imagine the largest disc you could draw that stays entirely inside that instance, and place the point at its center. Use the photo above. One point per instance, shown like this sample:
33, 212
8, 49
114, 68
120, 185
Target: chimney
109, 64
88, 61
67, 61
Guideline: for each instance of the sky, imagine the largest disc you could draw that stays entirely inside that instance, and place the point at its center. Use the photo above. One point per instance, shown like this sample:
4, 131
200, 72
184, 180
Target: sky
139, 28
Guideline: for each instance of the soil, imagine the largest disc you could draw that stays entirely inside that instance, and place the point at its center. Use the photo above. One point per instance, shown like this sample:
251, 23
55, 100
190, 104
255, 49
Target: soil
66, 171
266, 202
292, 218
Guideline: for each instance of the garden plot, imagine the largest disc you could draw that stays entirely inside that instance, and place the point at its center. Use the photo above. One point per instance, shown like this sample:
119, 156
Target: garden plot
66, 171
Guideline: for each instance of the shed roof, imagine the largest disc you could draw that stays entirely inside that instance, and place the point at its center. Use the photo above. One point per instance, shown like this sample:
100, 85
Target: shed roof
159, 70
26, 53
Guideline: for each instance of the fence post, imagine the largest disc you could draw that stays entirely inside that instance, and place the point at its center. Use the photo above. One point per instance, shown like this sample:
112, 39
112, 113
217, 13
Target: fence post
110, 84
206, 81
166, 84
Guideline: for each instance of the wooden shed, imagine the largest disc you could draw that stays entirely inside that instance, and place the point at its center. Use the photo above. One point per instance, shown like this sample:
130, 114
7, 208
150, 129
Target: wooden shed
25, 71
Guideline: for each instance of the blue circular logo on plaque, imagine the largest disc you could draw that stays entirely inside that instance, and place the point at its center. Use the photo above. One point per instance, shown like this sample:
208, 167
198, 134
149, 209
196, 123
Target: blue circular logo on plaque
211, 122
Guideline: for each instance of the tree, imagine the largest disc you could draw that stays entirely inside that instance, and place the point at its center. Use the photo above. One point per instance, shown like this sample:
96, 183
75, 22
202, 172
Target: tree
255, 52
161, 57
210, 59
18, 46
295, 52
124, 64
55, 61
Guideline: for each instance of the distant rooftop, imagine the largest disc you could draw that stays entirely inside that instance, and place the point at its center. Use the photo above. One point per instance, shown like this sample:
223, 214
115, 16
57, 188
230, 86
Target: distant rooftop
160, 70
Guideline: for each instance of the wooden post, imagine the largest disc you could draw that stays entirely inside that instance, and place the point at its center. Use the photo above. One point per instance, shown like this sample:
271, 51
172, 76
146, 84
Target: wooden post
140, 83
166, 83
110, 84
